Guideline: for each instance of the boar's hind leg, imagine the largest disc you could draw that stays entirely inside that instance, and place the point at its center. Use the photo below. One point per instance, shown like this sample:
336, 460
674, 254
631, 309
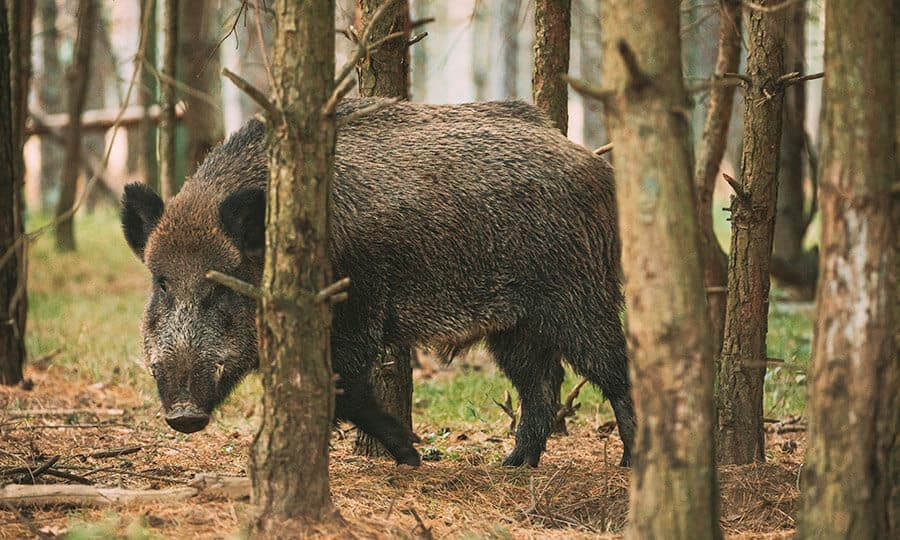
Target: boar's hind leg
535, 371
603, 361
358, 405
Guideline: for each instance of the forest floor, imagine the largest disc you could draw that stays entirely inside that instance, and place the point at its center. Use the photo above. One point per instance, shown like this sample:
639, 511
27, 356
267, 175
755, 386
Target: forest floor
90, 393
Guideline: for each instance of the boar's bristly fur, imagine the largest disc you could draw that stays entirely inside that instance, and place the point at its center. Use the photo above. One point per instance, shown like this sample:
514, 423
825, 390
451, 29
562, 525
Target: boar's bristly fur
455, 223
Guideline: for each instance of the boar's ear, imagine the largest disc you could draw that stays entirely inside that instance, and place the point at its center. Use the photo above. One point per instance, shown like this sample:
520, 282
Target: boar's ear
141, 210
243, 218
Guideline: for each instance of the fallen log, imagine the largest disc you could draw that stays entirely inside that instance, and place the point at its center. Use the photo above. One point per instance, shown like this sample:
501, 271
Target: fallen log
216, 486
29, 496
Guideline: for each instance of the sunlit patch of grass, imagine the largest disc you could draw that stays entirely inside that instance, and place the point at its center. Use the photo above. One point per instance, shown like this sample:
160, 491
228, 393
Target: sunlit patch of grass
789, 339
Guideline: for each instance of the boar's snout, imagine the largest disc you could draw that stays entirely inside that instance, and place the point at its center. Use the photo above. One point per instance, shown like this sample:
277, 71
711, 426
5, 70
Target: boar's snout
186, 418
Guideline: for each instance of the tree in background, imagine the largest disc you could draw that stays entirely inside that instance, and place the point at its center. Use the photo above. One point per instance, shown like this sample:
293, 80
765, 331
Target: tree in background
673, 492
588, 29
289, 460
200, 69
552, 26
509, 32
742, 368
147, 96
14, 77
77, 78
713, 143
50, 87
168, 181
851, 477
791, 265
385, 73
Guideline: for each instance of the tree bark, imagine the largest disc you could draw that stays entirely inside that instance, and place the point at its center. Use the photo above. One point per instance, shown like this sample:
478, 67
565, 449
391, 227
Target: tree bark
419, 69
50, 89
385, 73
166, 129
791, 265
552, 25
147, 96
77, 79
13, 295
851, 470
289, 460
740, 437
200, 68
673, 492
709, 159
481, 63
509, 33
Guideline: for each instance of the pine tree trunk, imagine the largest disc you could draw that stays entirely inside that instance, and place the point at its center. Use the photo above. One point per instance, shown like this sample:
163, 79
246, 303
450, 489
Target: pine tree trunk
289, 460
13, 294
709, 159
166, 142
740, 437
77, 76
200, 69
147, 96
419, 67
50, 90
851, 474
385, 73
673, 491
509, 34
552, 25
791, 265
481, 68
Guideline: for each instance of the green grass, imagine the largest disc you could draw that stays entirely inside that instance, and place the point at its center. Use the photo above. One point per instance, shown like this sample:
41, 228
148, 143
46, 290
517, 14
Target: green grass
88, 305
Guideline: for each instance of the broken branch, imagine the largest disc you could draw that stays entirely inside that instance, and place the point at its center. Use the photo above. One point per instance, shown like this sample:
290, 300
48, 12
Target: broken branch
606, 148
235, 284
742, 195
586, 89
569, 407
254, 93
375, 107
333, 293
637, 79
507, 407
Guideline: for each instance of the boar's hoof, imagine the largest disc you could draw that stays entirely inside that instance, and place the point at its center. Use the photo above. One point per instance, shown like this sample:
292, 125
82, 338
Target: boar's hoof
519, 457
187, 419
626, 460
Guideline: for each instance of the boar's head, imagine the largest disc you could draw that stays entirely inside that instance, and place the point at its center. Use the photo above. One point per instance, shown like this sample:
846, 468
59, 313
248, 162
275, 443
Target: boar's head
199, 337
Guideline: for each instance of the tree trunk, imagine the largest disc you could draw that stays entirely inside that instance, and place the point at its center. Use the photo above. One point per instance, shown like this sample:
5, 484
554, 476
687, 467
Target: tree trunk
103, 69
509, 33
385, 73
77, 78
166, 129
147, 96
850, 473
673, 492
200, 68
743, 364
50, 89
481, 63
552, 25
419, 69
289, 460
709, 159
13, 294
590, 66
790, 264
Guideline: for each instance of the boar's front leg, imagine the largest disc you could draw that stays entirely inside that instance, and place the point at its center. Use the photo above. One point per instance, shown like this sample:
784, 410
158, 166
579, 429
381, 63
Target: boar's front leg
357, 404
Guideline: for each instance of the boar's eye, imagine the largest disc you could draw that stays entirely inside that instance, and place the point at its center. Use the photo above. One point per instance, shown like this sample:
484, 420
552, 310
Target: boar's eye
161, 283
154, 370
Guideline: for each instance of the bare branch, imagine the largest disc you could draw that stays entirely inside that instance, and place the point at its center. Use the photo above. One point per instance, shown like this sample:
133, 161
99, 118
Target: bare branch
333, 293
742, 195
416, 38
377, 106
507, 407
605, 149
569, 407
254, 93
336, 96
362, 43
235, 284
586, 89
637, 79
794, 78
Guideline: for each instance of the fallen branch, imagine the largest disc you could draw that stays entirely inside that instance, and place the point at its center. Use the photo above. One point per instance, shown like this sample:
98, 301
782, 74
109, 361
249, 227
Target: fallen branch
40, 496
34, 413
216, 486
116, 452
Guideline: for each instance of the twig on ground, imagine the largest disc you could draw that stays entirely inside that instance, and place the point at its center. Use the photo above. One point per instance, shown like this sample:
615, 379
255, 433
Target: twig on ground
34, 413
69, 476
27, 522
116, 452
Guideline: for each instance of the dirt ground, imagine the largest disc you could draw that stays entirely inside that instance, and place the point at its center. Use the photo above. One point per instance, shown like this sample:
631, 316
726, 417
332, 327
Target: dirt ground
459, 492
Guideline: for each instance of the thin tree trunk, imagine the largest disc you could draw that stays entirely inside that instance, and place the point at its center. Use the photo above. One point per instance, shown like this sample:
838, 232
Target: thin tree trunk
790, 264
385, 73
200, 68
50, 98
13, 294
709, 159
590, 67
509, 33
552, 26
481, 68
103, 68
166, 129
77, 78
740, 437
147, 95
419, 67
673, 492
853, 441
289, 460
